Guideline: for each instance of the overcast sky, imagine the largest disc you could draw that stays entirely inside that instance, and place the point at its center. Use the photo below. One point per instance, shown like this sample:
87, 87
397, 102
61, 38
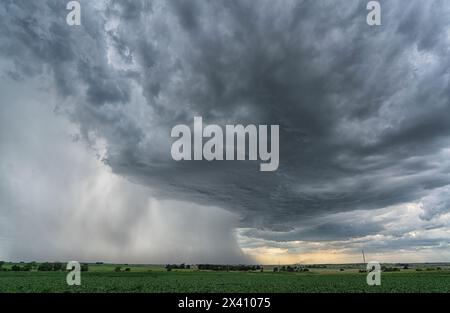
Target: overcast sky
86, 113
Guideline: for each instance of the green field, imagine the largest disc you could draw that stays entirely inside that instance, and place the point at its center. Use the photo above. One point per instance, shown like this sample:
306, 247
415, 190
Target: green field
153, 279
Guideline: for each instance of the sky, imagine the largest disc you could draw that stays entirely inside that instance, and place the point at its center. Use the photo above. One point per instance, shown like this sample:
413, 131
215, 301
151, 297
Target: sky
86, 113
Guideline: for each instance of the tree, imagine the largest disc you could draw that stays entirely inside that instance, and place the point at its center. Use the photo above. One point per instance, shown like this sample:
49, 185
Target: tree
45, 267
57, 266
118, 269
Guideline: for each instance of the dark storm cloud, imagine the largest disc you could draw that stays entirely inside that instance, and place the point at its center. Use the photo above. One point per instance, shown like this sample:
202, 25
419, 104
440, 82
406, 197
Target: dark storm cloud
321, 231
363, 111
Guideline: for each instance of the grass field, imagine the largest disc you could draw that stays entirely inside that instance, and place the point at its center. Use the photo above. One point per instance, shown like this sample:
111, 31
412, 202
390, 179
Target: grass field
153, 279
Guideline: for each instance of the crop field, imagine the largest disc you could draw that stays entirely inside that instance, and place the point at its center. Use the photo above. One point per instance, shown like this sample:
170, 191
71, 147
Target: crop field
149, 279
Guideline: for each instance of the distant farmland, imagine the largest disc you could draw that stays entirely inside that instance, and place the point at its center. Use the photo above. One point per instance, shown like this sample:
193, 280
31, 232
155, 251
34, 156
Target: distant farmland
156, 279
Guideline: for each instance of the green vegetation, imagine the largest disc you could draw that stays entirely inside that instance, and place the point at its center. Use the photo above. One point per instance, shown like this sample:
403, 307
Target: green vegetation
290, 269
153, 278
224, 267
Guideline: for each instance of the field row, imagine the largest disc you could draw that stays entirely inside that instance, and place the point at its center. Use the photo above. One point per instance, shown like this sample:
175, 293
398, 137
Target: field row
198, 281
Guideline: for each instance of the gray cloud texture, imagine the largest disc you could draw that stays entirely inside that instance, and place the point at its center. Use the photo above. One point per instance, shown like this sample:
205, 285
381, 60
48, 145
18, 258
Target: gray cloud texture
59, 202
363, 111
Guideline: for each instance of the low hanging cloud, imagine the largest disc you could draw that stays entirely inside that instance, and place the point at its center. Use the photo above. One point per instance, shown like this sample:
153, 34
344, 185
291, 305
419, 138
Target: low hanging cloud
363, 111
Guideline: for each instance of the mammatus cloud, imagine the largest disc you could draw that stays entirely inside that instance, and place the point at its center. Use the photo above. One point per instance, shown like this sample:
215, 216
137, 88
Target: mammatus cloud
363, 111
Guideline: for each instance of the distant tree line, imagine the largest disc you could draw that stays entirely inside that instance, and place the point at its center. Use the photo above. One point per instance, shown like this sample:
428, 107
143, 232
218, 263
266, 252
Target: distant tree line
429, 269
215, 267
290, 269
315, 266
42, 267
58, 266
181, 266
241, 267
390, 269
21, 267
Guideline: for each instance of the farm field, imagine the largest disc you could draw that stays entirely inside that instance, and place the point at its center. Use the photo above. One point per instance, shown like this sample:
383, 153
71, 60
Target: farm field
151, 279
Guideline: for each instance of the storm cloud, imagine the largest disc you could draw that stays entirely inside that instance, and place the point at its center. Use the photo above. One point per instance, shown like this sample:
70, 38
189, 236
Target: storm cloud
363, 111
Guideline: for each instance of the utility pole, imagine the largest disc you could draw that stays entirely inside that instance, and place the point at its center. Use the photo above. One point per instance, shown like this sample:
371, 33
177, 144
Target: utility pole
364, 257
